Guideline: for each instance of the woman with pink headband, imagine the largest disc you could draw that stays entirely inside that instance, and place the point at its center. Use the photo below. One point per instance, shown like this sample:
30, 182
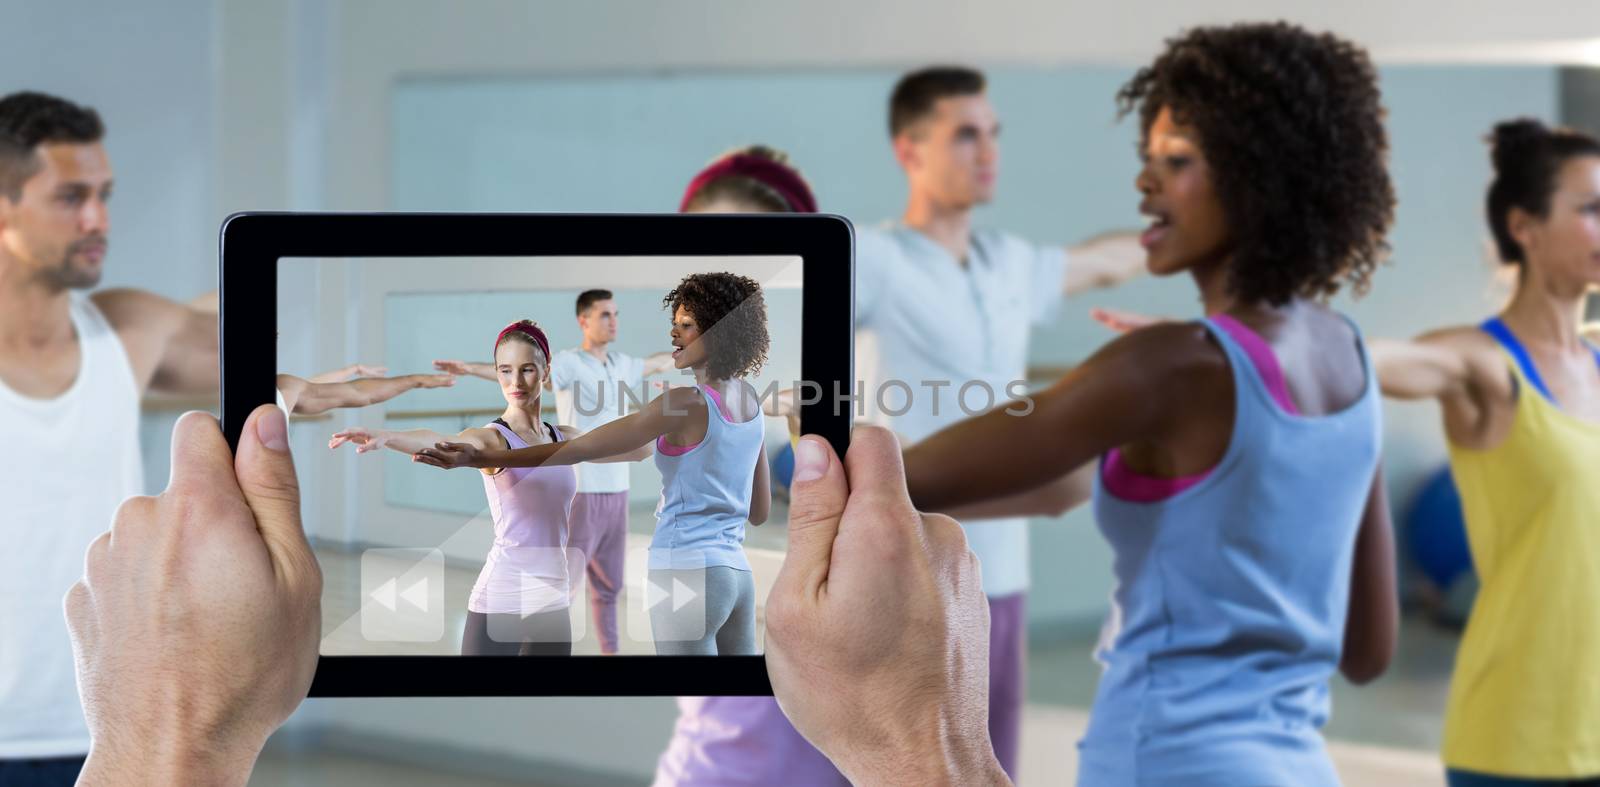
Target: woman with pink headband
519, 604
743, 740
751, 179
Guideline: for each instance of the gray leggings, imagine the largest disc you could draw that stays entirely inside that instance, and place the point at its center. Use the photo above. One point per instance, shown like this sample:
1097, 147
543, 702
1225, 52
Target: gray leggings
730, 614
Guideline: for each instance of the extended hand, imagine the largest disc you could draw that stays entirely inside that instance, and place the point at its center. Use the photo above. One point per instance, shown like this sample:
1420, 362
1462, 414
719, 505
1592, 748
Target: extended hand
450, 456
1124, 321
453, 367
363, 439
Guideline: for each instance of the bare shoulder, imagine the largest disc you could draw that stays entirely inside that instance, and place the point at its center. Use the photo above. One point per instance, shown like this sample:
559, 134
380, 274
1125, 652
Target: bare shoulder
1471, 345
1156, 372
1166, 353
138, 310
291, 386
1154, 381
682, 399
568, 432
482, 436
1484, 360
1468, 338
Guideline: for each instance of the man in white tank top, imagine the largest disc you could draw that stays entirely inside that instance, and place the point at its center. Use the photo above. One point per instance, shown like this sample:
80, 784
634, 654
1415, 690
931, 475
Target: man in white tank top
73, 367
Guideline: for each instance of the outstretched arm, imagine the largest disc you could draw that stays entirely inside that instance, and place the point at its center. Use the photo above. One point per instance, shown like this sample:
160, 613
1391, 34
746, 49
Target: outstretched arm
1123, 321
1428, 367
466, 368
409, 441
783, 405
353, 370
1139, 387
643, 452
1464, 369
657, 363
314, 397
1105, 260
173, 347
627, 434
1052, 499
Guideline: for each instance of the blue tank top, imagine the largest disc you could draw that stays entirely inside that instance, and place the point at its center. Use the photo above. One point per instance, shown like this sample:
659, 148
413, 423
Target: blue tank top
705, 495
1229, 609
1497, 328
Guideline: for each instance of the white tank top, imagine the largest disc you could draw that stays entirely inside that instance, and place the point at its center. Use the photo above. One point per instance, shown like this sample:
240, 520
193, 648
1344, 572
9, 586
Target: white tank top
79, 460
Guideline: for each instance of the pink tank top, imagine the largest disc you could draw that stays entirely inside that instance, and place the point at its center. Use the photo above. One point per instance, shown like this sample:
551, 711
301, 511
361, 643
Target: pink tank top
526, 570
1139, 488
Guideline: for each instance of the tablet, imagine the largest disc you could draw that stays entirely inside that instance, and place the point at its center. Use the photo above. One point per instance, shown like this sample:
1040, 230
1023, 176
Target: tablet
677, 354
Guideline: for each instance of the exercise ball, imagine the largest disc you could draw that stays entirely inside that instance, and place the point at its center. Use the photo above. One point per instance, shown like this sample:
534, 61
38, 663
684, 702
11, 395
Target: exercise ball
1436, 531
783, 467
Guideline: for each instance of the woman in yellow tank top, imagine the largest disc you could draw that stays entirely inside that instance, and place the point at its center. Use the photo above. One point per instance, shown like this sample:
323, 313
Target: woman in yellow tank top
1520, 396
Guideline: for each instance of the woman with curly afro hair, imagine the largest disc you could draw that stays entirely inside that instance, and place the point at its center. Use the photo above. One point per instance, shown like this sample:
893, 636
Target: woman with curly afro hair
1520, 395
1238, 480
709, 445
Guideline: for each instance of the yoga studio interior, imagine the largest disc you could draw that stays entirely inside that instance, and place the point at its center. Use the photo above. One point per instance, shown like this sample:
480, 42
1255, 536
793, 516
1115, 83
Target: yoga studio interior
613, 106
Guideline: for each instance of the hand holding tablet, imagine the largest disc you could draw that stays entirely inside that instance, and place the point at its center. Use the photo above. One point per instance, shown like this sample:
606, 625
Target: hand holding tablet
868, 611
204, 599
449, 582
878, 630
875, 692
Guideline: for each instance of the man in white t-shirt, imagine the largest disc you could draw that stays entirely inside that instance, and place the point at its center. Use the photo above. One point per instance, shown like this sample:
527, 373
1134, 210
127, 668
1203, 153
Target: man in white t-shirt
73, 368
943, 315
595, 385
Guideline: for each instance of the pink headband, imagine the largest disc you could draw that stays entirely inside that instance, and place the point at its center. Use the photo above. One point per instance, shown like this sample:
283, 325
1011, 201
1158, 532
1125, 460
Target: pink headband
532, 332
778, 177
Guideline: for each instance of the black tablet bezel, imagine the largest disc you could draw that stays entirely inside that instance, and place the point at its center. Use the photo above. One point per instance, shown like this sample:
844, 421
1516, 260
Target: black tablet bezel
252, 244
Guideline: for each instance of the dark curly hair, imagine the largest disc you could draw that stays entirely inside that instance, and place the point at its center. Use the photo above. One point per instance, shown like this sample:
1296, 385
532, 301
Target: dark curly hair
1292, 126
1528, 155
732, 304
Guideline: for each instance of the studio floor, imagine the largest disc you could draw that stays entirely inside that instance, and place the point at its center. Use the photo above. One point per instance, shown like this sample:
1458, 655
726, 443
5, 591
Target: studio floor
1379, 735
1383, 735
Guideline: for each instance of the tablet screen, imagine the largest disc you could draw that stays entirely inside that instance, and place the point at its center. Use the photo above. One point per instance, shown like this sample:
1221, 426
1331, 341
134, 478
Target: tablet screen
439, 408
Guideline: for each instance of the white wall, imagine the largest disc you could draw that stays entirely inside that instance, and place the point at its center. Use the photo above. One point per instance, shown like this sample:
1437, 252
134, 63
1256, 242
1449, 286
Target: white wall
161, 132
381, 40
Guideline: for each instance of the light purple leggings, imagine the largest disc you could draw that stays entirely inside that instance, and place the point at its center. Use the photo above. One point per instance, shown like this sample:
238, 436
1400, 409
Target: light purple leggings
597, 527
747, 741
